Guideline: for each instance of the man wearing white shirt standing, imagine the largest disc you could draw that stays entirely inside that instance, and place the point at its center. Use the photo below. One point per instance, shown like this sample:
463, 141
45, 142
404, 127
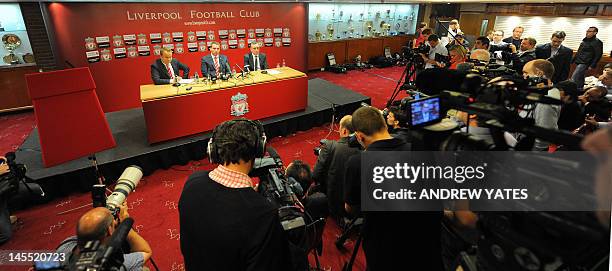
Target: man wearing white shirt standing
166, 69
256, 60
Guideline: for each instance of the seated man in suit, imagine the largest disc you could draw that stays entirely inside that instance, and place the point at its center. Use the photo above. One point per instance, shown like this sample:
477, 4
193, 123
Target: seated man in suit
166, 69
559, 55
255, 59
215, 64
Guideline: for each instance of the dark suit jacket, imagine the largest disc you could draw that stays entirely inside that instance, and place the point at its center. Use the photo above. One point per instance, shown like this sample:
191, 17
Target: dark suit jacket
159, 73
208, 65
561, 60
250, 60
511, 40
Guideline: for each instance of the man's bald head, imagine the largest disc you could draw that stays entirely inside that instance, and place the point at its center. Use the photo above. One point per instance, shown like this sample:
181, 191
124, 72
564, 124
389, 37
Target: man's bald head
539, 67
94, 225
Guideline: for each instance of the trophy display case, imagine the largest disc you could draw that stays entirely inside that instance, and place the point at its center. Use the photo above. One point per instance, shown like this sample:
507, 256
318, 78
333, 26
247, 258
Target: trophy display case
15, 48
334, 21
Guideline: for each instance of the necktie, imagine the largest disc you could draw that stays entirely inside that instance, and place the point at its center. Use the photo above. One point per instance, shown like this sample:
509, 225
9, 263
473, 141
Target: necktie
170, 71
256, 63
217, 65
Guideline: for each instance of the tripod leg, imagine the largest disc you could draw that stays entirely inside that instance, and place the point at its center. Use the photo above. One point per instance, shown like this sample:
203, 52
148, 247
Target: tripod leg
349, 266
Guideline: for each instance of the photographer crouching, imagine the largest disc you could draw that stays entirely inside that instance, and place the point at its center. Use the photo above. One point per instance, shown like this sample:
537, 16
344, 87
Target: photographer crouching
99, 224
13, 187
329, 168
225, 223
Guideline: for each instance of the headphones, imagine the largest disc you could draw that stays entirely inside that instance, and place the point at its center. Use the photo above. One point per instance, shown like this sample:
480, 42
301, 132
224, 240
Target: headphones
260, 144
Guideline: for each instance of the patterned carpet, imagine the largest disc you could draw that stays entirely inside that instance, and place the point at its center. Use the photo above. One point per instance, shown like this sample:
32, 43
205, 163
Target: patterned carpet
154, 204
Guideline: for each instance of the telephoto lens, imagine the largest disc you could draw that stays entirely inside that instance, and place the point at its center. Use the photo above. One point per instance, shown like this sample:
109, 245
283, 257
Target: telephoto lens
126, 183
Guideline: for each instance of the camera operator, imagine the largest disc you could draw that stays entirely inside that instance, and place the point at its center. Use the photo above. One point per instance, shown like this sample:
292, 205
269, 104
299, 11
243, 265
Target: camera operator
390, 239
329, 168
545, 115
99, 224
481, 55
482, 42
571, 115
457, 55
225, 223
314, 201
436, 48
518, 59
422, 37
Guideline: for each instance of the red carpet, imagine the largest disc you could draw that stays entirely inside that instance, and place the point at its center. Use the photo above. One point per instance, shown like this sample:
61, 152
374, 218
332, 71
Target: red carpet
154, 204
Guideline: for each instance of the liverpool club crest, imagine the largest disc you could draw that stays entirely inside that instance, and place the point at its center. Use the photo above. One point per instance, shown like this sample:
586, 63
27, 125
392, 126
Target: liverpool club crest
240, 106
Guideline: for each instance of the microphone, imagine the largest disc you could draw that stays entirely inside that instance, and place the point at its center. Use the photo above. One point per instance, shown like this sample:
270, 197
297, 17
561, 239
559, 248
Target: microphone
241, 70
296, 187
274, 155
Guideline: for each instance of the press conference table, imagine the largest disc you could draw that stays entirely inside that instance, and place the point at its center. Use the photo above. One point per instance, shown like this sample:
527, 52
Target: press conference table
172, 112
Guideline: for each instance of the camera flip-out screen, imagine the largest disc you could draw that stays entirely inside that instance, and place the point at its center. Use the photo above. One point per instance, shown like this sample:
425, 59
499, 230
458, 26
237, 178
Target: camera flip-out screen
424, 111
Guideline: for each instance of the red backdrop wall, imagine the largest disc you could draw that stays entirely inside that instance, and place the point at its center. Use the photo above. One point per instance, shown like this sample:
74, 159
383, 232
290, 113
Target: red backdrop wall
118, 80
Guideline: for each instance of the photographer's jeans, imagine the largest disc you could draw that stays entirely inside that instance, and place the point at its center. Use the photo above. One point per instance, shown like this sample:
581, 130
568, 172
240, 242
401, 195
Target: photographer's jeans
25, 194
578, 76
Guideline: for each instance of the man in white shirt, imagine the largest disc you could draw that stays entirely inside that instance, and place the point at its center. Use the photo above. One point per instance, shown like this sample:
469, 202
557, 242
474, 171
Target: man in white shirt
436, 48
165, 70
256, 60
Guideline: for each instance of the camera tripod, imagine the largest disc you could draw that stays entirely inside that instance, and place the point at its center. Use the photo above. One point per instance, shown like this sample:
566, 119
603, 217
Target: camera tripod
355, 222
101, 185
406, 80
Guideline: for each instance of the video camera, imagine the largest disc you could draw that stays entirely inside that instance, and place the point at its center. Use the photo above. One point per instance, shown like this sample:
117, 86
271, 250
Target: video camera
283, 192
413, 55
496, 101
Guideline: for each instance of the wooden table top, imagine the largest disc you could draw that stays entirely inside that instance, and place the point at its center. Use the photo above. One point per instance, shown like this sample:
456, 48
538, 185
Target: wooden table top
154, 92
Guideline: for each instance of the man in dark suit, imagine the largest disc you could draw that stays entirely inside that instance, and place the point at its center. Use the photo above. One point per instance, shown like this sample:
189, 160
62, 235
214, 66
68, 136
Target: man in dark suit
215, 64
255, 59
559, 55
166, 69
515, 39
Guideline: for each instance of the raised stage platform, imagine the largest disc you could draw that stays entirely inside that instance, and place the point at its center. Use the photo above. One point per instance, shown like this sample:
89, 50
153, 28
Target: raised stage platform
128, 128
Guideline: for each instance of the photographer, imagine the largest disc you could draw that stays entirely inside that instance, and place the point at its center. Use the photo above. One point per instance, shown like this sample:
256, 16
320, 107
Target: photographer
517, 59
225, 223
329, 168
545, 115
13, 187
390, 239
6, 220
436, 48
99, 224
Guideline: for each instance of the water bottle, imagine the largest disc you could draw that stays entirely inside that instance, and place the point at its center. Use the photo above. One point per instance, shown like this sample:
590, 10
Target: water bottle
284, 63
196, 77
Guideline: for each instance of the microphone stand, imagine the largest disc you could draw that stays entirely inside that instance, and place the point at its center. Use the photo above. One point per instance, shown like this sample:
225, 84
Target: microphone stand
99, 177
